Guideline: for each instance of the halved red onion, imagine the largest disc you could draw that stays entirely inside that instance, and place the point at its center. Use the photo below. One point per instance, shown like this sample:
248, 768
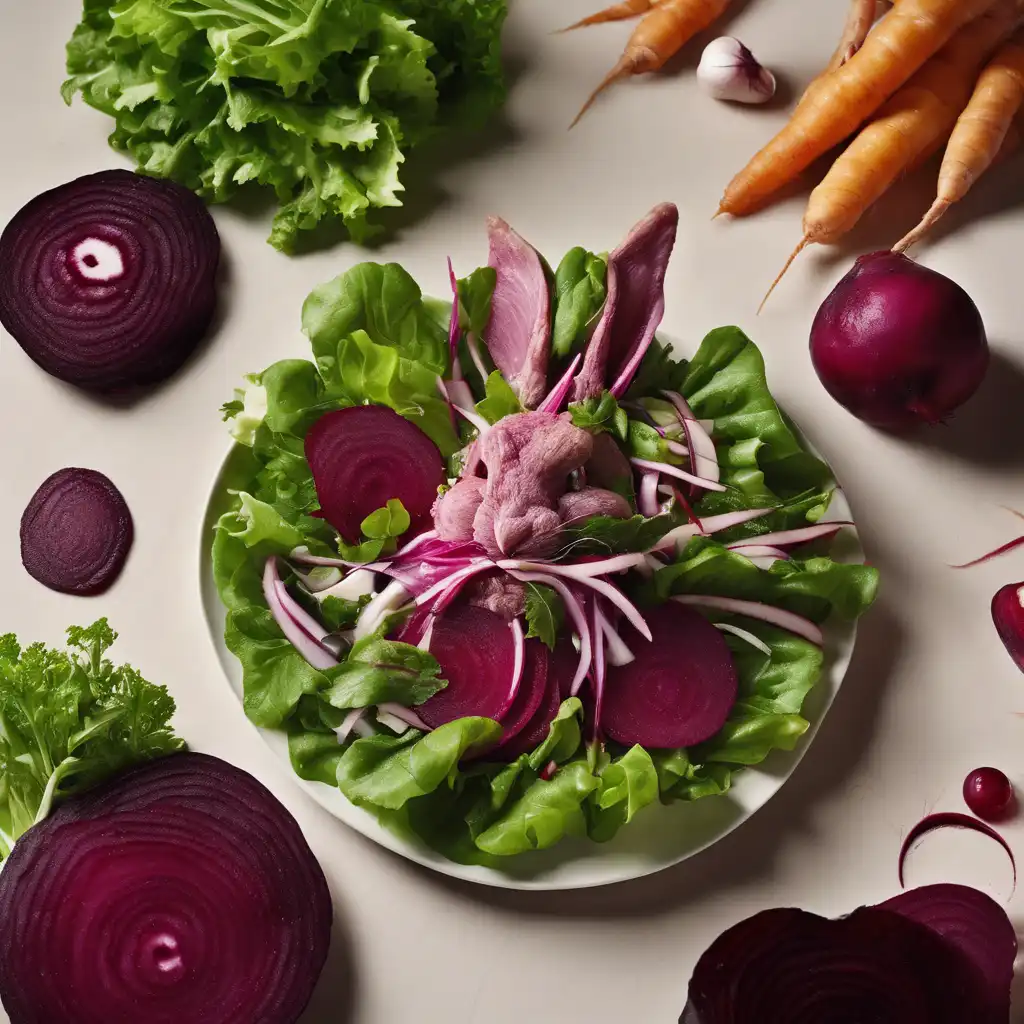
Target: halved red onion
364, 456
109, 282
76, 532
180, 891
1008, 617
680, 687
757, 610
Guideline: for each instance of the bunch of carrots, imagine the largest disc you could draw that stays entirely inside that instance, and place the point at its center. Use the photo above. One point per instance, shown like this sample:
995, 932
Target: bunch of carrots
907, 77
928, 73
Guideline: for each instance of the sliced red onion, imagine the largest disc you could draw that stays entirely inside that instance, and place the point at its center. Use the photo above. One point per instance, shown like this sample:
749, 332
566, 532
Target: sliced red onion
460, 394
575, 612
707, 526
389, 600
295, 611
363, 729
1003, 549
952, 819
599, 666
416, 543
576, 570
109, 282
616, 651
473, 344
519, 639
404, 714
560, 392
759, 551
180, 891
705, 456
357, 584
647, 495
789, 621
619, 599
316, 584
314, 652
679, 474
396, 725
428, 634
473, 417
477, 565
349, 722
678, 449
303, 557
743, 634
787, 538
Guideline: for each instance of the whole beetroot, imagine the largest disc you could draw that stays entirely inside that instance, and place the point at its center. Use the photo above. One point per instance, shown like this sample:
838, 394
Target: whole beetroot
898, 344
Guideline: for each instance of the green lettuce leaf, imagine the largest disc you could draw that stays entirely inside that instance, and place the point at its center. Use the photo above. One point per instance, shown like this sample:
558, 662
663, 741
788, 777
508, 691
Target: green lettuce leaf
625, 787
579, 298
500, 400
379, 670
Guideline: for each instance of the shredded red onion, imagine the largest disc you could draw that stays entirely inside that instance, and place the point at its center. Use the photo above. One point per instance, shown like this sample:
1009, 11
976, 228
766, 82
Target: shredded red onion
389, 600
617, 598
474, 353
519, 639
709, 525
599, 665
305, 621
743, 634
404, 714
789, 621
577, 570
473, 417
759, 551
453, 326
647, 495
803, 535
348, 723
617, 652
556, 397
704, 458
315, 653
679, 474
952, 819
477, 565
1003, 549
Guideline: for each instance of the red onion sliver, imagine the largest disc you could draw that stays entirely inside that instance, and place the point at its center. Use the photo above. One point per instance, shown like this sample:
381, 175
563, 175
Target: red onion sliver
303, 557
680, 474
556, 397
759, 551
407, 715
477, 565
704, 459
473, 417
599, 665
348, 723
647, 495
315, 653
577, 570
474, 353
453, 325
617, 653
461, 395
575, 612
617, 598
305, 621
519, 640
801, 536
952, 819
709, 525
789, 621
389, 600
743, 634
1003, 549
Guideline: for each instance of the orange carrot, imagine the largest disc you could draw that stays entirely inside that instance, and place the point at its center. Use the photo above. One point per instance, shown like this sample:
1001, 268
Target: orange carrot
617, 12
862, 16
658, 37
911, 33
980, 135
907, 129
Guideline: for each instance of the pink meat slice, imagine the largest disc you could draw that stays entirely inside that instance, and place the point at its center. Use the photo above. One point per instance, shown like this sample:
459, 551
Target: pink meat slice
634, 307
518, 334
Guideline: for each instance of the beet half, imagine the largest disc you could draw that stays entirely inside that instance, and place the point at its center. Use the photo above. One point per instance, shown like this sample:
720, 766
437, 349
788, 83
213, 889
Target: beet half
76, 532
182, 891
109, 282
366, 455
680, 687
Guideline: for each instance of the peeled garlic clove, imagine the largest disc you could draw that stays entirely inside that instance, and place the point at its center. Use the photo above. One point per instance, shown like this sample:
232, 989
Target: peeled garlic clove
729, 71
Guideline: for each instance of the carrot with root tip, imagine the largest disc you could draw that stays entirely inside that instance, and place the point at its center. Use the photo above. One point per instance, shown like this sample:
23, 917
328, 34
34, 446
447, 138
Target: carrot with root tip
617, 12
984, 132
898, 46
907, 129
863, 14
660, 36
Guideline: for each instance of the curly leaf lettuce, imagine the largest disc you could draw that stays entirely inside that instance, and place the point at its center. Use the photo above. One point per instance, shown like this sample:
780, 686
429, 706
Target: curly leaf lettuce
318, 100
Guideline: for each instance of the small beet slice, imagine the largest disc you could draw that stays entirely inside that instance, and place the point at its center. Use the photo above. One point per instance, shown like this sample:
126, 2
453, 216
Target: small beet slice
182, 890
975, 926
680, 687
76, 532
109, 282
530, 696
476, 651
790, 967
364, 456
561, 668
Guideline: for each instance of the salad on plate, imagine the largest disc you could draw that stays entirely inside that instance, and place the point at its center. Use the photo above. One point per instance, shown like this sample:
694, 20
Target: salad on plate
506, 569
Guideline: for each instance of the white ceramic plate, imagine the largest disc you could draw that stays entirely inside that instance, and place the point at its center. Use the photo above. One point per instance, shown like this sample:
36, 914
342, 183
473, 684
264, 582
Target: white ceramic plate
657, 838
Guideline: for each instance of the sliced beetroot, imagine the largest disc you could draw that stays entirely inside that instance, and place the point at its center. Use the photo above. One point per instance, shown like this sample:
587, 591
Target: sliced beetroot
1008, 616
76, 532
476, 651
560, 670
976, 926
790, 967
181, 891
680, 687
533, 689
363, 457
109, 282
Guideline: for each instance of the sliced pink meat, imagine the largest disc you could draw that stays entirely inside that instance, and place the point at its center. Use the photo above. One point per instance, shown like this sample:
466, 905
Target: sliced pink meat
518, 334
680, 687
364, 456
476, 652
634, 307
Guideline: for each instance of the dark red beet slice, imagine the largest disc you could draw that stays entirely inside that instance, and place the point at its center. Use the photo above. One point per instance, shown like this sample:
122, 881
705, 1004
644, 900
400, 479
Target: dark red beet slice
364, 456
976, 926
529, 698
561, 668
76, 532
109, 282
181, 891
476, 652
790, 967
680, 688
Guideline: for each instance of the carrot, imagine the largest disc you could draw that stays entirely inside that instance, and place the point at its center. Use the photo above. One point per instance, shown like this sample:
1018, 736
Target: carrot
985, 127
862, 16
617, 12
660, 35
911, 33
907, 129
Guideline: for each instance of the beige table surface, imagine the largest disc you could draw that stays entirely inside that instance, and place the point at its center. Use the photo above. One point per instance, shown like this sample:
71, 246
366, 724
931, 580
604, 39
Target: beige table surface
931, 693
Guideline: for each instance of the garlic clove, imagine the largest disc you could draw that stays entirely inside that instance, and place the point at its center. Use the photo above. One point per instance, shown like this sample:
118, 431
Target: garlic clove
729, 71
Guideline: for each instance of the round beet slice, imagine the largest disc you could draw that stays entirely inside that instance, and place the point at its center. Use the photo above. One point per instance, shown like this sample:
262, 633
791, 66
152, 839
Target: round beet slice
530, 698
76, 532
364, 456
182, 891
109, 282
680, 688
476, 652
